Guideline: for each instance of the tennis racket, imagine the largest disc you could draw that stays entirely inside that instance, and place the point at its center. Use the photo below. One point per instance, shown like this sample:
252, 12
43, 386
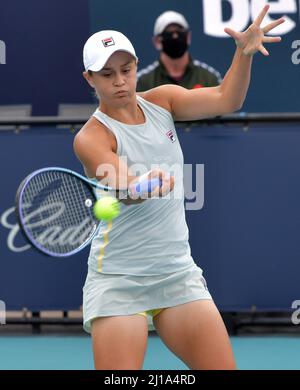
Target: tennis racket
54, 207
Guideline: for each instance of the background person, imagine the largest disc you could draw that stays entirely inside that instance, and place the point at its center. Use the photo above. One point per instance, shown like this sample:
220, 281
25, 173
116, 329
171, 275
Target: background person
172, 37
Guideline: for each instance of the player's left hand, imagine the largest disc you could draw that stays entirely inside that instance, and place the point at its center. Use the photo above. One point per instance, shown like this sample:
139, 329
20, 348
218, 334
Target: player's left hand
252, 40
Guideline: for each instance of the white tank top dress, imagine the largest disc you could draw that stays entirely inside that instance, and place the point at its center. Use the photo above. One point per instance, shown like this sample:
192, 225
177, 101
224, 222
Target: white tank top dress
142, 260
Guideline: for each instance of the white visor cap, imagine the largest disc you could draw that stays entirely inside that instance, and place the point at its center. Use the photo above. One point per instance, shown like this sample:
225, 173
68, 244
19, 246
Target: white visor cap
101, 45
167, 18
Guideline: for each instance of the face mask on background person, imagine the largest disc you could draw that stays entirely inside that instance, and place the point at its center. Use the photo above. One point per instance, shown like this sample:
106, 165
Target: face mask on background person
174, 44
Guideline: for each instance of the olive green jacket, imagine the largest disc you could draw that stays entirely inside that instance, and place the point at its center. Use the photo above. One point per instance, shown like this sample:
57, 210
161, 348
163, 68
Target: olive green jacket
197, 75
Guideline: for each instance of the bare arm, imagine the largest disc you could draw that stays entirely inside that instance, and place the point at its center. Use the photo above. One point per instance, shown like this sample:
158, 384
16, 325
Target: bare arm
236, 82
93, 147
230, 95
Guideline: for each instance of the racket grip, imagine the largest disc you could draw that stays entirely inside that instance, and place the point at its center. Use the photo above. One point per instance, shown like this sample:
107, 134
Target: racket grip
147, 185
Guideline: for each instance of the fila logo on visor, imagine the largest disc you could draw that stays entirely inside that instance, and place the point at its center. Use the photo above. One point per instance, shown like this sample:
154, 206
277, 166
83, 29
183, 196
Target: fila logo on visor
171, 135
108, 42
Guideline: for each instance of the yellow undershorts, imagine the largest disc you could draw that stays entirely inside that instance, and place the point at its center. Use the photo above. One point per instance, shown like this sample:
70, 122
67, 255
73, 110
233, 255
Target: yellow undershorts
151, 313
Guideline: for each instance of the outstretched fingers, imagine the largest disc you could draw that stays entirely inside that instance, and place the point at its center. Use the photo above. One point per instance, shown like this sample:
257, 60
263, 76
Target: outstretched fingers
271, 39
254, 39
263, 50
272, 25
262, 15
234, 34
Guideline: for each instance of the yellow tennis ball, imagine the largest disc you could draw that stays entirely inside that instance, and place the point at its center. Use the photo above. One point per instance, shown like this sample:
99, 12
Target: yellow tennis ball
107, 208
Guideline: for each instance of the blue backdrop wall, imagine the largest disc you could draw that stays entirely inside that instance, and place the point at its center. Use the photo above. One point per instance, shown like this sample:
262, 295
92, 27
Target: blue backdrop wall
44, 41
245, 237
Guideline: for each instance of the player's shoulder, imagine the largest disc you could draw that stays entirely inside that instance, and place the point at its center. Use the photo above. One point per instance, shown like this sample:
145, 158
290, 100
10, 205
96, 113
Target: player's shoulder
91, 133
90, 129
163, 95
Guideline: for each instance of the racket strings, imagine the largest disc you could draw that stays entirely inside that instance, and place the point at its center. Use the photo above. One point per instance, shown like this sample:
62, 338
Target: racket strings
57, 211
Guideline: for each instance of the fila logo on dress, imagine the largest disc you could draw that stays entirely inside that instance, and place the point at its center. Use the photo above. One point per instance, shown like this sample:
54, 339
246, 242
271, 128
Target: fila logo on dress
171, 135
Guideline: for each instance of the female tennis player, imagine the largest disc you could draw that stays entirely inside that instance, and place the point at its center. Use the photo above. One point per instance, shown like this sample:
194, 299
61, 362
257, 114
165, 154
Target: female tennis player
142, 266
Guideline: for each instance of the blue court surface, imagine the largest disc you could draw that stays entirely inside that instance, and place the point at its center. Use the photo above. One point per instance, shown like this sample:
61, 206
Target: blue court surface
75, 353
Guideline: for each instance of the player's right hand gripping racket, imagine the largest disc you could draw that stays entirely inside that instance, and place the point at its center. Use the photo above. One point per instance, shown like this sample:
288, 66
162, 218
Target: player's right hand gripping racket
54, 208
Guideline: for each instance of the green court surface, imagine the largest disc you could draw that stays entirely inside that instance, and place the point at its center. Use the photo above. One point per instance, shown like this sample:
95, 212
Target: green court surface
75, 353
